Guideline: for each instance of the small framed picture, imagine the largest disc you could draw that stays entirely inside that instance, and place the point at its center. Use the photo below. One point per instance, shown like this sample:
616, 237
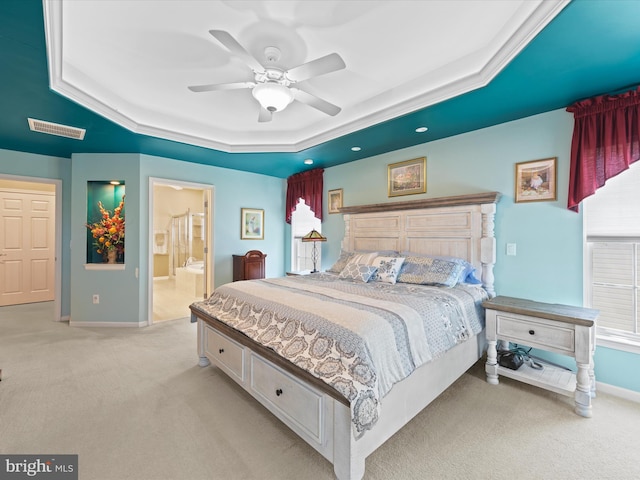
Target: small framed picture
252, 224
408, 177
335, 200
536, 180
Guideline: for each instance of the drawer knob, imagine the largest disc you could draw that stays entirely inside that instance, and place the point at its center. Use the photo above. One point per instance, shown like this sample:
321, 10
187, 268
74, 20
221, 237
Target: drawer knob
221, 350
532, 332
279, 392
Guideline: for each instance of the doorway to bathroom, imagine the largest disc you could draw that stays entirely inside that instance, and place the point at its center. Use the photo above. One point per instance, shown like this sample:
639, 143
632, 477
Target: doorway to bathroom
180, 254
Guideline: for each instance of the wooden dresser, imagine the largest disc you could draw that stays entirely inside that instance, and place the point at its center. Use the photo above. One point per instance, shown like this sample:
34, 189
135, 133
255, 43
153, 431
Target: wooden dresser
249, 266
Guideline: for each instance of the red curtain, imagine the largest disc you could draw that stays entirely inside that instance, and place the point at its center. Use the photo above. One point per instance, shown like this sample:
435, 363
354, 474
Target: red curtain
606, 140
308, 186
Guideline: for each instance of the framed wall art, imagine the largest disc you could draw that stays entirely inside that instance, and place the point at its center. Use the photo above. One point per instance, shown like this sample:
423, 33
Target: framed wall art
536, 180
408, 177
252, 224
335, 200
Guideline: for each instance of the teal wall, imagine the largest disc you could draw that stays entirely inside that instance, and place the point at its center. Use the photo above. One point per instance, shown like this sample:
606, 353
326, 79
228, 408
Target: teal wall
548, 264
119, 290
233, 190
547, 267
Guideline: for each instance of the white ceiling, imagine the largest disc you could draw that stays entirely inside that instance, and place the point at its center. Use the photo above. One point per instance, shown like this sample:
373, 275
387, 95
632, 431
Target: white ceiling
131, 61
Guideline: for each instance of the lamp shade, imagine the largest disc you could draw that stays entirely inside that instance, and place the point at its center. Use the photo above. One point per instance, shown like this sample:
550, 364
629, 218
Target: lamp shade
272, 96
314, 236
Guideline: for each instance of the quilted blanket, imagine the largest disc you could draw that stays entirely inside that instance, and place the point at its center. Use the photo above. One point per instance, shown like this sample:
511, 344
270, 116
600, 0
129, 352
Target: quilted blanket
360, 338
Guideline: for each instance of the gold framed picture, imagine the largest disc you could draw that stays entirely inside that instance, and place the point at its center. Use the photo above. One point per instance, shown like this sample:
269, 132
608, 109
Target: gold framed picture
252, 224
536, 180
407, 178
335, 200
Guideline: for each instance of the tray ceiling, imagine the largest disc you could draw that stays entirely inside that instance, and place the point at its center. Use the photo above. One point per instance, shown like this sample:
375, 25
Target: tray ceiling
132, 61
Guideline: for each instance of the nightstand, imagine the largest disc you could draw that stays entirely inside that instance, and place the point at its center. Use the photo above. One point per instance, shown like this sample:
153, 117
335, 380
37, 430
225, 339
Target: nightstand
552, 327
298, 273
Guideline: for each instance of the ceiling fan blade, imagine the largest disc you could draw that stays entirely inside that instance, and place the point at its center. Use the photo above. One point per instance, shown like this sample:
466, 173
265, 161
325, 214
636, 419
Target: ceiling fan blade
221, 86
315, 102
320, 66
234, 47
264, 115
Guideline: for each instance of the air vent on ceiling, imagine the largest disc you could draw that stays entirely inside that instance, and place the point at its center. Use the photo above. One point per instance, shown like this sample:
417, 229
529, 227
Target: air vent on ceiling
56, 129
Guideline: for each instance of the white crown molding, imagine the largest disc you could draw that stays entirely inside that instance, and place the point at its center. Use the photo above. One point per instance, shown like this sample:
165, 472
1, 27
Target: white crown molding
443, 87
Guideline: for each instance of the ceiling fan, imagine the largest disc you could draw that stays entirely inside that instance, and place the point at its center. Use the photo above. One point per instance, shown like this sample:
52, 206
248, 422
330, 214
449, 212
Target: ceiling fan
272, 86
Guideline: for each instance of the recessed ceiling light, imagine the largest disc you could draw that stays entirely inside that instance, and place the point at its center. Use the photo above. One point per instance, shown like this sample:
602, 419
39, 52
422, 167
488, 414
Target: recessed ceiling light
421, 129
308, 161
356, 149
114, 182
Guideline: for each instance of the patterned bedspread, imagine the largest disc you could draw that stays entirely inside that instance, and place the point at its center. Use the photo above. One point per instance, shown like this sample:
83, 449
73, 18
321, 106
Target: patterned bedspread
360, 338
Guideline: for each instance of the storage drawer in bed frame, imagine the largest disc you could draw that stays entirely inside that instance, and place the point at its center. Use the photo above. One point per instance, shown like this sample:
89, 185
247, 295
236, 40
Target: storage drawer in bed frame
305, 410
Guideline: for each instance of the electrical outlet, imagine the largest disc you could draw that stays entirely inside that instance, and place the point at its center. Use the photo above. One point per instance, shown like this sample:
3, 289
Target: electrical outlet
96, 299
511, 248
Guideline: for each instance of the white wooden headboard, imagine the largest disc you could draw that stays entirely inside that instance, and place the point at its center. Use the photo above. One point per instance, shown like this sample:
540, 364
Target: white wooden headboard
459, 226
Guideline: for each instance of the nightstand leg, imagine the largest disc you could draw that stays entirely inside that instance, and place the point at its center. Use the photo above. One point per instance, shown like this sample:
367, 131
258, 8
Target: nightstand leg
583, 390
592, 377
491, 367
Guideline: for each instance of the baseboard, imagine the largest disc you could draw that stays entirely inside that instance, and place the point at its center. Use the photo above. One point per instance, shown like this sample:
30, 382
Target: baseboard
624, 393
108, 324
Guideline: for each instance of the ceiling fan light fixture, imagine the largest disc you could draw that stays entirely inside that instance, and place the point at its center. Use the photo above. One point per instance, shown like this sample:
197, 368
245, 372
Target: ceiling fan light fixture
272, 96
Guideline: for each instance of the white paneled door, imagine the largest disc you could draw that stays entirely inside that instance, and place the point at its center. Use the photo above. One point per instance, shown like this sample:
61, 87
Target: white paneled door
27, 247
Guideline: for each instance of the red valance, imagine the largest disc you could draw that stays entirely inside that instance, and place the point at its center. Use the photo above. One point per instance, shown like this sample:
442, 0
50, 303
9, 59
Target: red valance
308, 186
606, 140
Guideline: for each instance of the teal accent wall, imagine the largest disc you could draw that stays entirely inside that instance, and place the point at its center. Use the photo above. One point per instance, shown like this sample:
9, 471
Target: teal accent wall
55, 168
119, 290
548, 264
233, 190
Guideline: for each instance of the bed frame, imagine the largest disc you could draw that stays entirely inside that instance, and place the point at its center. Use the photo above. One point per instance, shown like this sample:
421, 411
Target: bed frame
461, 226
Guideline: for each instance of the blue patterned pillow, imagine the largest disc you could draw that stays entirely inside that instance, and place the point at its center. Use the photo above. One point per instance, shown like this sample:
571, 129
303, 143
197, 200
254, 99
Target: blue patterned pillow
358, 272
466, 276
430, 271
388, 269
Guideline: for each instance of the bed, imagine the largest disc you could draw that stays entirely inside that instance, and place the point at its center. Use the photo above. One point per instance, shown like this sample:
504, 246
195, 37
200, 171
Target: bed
345, 363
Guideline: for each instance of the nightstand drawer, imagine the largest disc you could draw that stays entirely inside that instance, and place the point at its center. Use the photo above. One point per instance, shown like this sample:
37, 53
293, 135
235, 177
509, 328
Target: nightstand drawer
535, 334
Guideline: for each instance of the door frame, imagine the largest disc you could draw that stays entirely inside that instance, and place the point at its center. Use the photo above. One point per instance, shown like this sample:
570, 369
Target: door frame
209, 241
57, 183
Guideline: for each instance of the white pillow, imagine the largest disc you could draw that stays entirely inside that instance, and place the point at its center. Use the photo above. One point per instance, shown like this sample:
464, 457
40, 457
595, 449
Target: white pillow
388, 269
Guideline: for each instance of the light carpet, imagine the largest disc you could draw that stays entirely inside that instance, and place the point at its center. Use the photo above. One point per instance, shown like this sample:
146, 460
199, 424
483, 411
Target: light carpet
134, 404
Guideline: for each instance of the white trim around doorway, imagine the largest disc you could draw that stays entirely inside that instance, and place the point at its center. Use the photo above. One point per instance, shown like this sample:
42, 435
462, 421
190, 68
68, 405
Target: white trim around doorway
157, 181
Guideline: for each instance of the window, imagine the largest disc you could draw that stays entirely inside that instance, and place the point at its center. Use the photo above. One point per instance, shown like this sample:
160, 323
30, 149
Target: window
612, 259
302, 222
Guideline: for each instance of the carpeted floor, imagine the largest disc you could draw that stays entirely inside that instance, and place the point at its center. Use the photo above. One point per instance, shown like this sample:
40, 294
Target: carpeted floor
133, 404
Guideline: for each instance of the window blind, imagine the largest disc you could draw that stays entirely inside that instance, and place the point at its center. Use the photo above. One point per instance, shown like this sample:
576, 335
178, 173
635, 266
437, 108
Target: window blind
612, 272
